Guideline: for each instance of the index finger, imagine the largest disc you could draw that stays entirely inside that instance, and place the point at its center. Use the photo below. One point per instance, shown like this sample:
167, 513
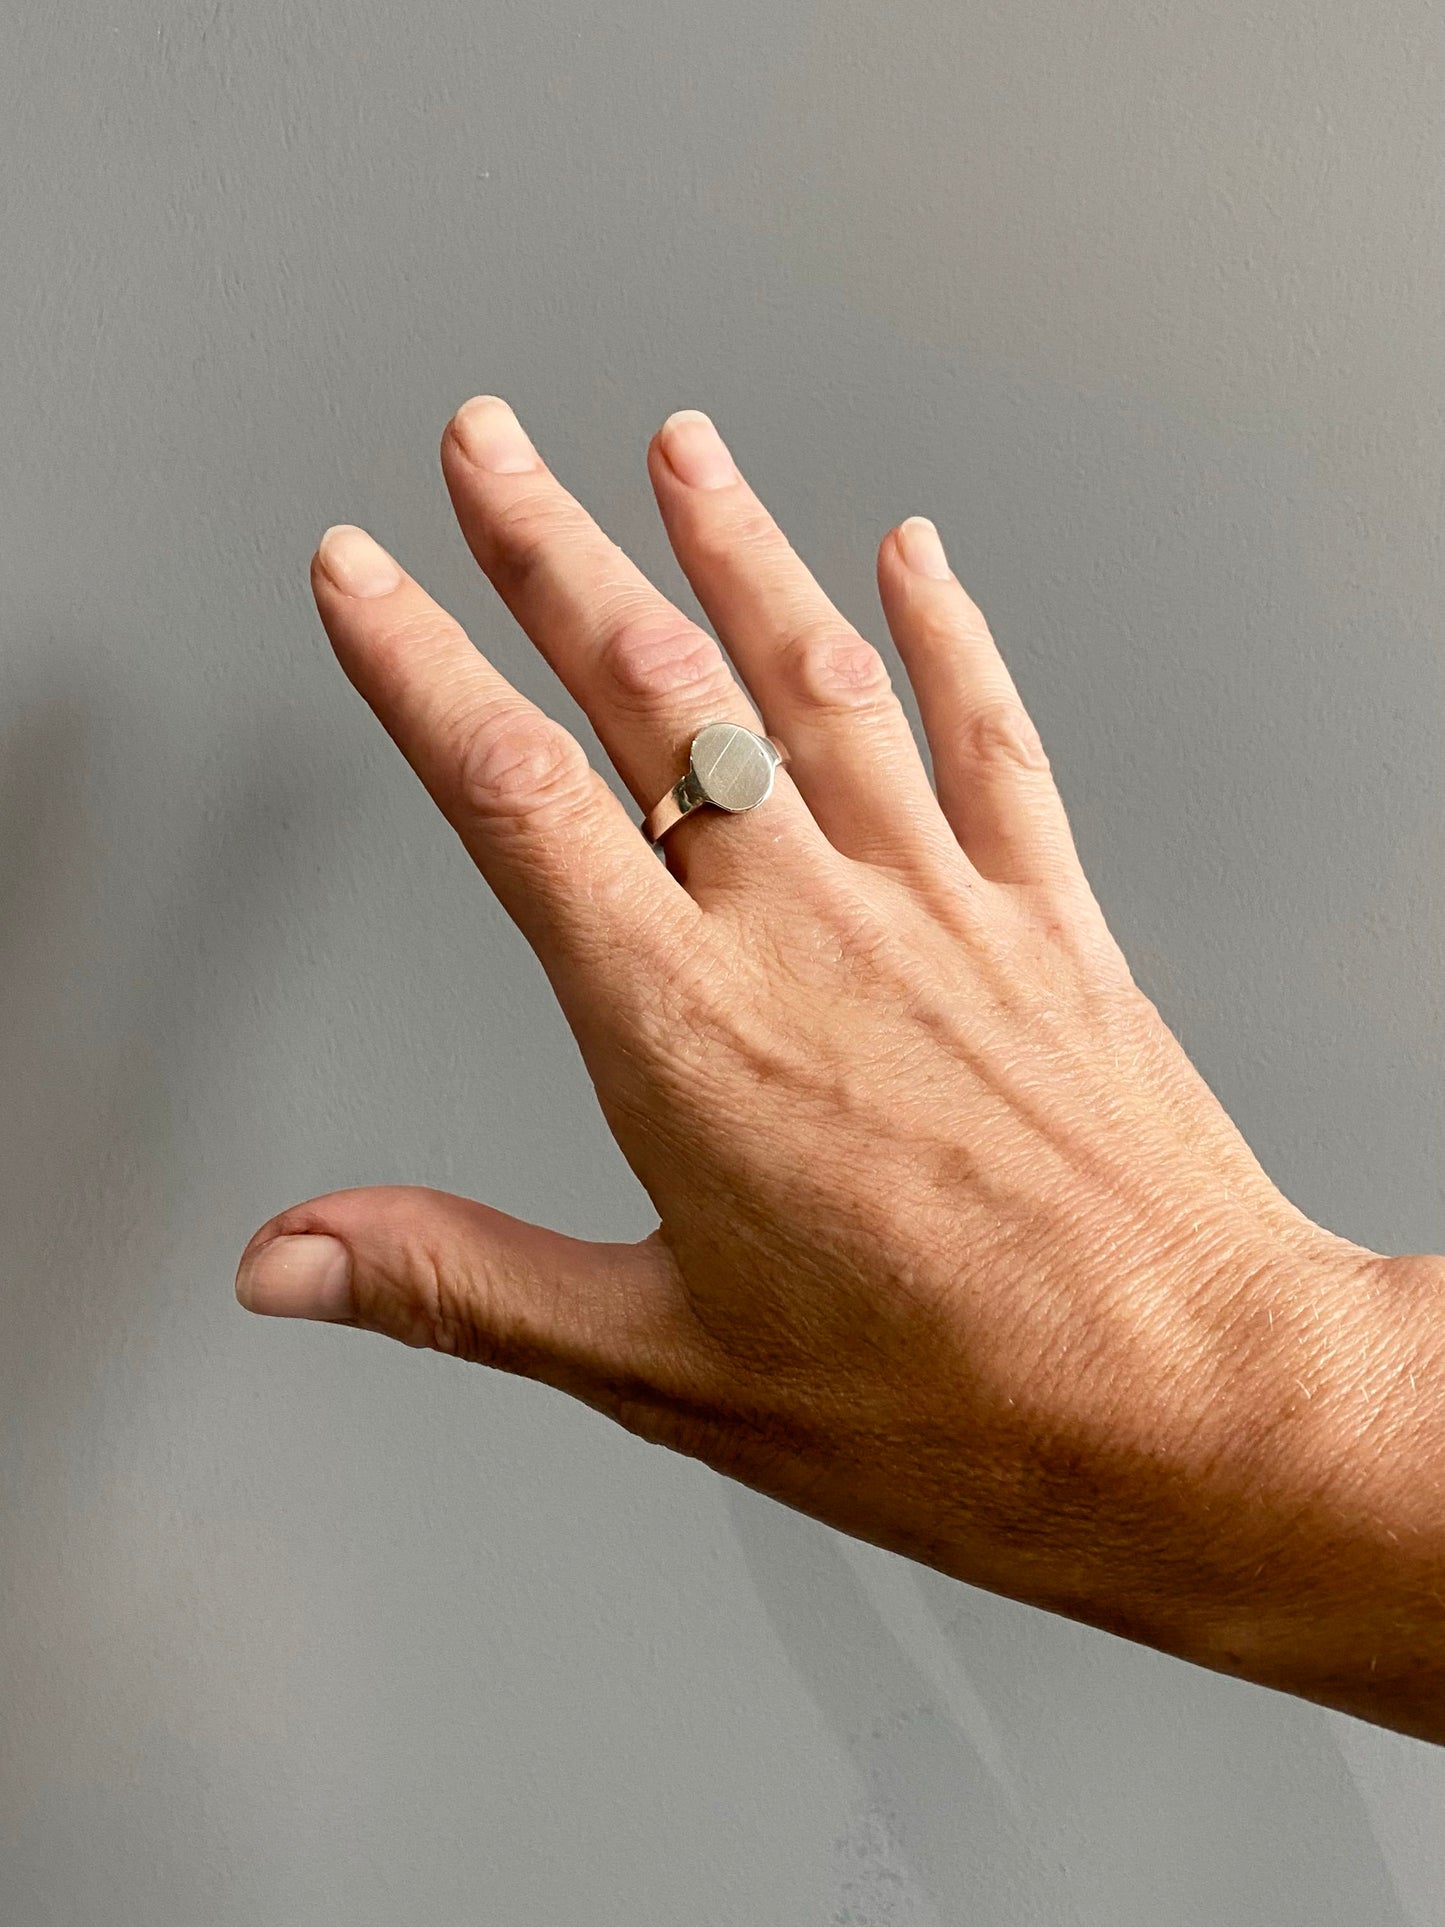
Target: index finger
553, 842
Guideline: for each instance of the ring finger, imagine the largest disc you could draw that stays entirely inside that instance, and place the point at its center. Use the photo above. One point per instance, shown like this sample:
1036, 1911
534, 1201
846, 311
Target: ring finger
819, 684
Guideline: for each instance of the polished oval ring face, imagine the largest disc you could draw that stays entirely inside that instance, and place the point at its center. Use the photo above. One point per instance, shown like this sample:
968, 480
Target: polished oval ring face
732, 767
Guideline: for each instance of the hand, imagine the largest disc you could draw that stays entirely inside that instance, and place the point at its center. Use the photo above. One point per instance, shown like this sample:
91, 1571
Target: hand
956, 1250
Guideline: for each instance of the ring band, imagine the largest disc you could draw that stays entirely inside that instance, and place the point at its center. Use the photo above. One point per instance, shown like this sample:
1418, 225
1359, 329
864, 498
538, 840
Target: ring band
729, 768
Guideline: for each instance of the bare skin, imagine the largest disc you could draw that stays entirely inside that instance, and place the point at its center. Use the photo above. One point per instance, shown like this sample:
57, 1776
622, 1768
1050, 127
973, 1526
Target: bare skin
956, 1250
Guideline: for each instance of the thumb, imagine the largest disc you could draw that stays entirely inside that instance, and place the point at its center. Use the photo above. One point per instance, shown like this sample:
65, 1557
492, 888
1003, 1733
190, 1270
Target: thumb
446, 1272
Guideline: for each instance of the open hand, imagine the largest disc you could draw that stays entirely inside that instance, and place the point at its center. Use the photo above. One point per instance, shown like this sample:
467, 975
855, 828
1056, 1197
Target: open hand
955, 1248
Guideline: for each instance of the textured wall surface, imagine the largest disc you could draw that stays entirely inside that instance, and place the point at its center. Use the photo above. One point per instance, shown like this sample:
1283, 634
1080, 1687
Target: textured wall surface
1143, 303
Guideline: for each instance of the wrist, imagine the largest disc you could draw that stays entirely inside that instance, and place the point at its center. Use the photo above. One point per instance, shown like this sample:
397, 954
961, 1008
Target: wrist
1331, 1470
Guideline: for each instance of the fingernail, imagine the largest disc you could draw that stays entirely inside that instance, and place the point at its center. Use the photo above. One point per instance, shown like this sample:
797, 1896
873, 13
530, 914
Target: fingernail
487, 430
921, 548
695, 451
356, 564
298, 1277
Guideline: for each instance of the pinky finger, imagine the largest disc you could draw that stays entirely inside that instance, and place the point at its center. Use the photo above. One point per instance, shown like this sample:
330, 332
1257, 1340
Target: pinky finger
992, 775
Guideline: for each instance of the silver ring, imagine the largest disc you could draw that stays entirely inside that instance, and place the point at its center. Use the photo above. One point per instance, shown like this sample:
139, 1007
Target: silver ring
728, 768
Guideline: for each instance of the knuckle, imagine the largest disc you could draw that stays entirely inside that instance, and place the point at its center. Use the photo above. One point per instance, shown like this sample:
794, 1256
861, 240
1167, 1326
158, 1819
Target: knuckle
737, 532
459, 1325
519, 531
512, 763
649, 653
1002, 735
950, 623
438, 1315
830, 664
457, 1315
408, 640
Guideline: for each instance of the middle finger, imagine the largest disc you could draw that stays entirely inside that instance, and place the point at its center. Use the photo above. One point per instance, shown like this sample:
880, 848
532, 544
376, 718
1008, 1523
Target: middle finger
647, 677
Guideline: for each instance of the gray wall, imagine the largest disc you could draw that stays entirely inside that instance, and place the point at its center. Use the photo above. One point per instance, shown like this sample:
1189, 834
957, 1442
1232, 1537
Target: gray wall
1142, 301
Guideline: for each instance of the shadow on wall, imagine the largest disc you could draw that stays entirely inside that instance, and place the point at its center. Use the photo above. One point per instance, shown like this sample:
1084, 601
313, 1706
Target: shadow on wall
115, 976
1037, 1770
137, 890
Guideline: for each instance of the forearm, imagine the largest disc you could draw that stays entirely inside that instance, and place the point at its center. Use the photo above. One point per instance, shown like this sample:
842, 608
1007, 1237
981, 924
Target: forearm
1351, 1606
1285, 1523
